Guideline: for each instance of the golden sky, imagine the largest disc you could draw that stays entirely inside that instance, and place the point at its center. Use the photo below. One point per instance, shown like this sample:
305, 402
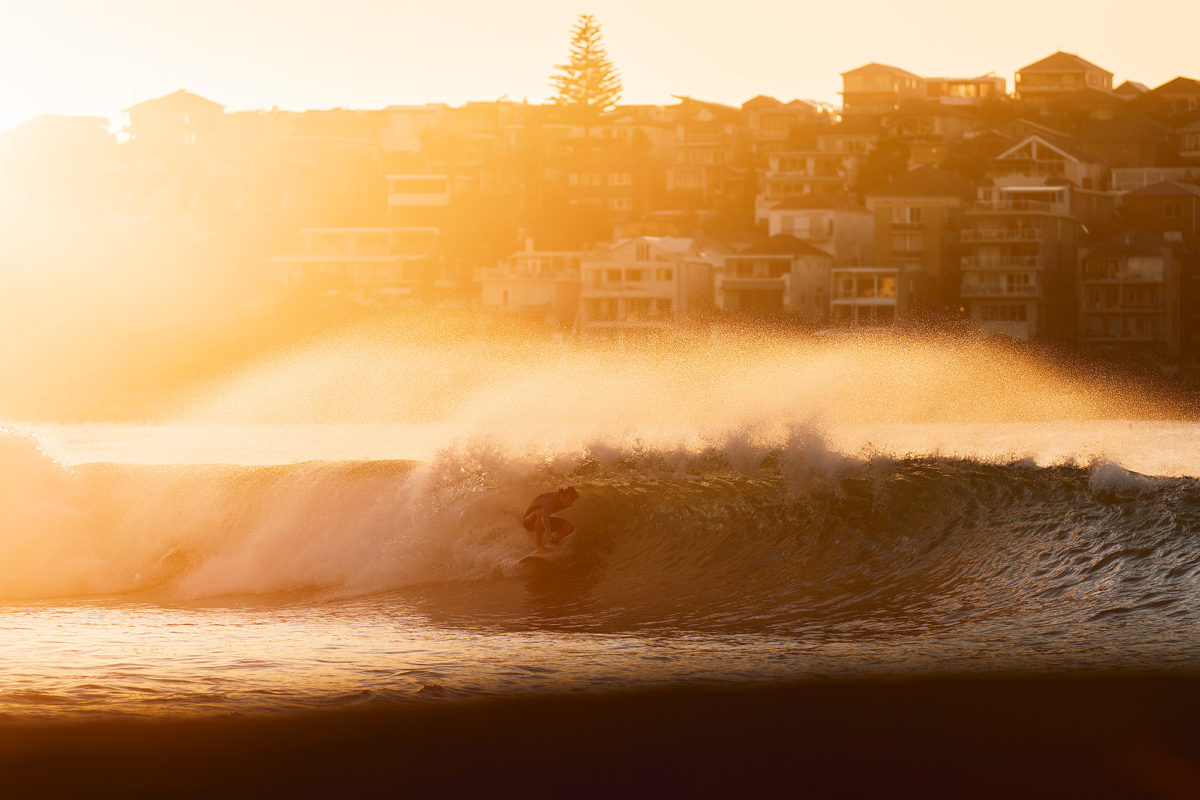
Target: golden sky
99, 56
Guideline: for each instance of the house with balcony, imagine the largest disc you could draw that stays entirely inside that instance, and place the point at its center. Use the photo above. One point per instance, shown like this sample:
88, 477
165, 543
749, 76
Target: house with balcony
1176, 100
356, 266
867, 297
1130, 294
168, 124
918, 217
782, 275
648, 282
1043, 155
1019, 242
793, 173
771, 123
835, 223
541, 283
875, 90
965, 91
1056, 75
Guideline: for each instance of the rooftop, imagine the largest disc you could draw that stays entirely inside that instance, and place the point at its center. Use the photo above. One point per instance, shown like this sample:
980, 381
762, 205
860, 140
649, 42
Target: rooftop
1062, 62
181, 100
1166, 189
926, 182
820, 200
783, 244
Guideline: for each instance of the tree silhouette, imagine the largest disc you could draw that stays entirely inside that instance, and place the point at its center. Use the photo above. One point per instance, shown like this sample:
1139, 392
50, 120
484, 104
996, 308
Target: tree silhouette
588, 84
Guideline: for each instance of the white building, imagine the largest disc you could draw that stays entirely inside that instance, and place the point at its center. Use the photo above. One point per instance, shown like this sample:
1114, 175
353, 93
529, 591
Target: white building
648, 282
542, 282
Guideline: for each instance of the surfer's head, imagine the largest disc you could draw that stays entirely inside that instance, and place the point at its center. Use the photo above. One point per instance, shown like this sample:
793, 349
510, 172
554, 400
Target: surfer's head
567, 494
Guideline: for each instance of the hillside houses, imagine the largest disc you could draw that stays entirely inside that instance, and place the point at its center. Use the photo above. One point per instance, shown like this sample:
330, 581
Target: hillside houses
959, 200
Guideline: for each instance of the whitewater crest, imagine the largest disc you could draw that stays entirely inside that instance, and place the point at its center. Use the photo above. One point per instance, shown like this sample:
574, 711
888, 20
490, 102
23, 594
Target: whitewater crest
743, 529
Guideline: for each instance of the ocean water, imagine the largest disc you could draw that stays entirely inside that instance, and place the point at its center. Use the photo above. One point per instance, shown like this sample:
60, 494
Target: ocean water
238, 567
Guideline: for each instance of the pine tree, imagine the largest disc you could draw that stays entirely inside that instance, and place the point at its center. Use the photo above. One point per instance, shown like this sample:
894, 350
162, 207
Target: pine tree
588, 84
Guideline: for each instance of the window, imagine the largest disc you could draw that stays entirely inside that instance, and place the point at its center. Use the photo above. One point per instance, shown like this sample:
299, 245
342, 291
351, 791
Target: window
634, 274
1003, 313
908, 242
612, 275
1172, 210
573, 179
664, 274
905, 215
643, 251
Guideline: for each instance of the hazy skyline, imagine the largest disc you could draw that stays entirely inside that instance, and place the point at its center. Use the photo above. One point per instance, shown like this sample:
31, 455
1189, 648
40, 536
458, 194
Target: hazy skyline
81, 57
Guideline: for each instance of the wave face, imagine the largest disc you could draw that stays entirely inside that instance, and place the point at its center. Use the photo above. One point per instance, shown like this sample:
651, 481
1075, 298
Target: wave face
738, 537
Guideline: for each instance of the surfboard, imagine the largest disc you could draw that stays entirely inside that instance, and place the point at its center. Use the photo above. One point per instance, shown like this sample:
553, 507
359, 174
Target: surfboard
535, 558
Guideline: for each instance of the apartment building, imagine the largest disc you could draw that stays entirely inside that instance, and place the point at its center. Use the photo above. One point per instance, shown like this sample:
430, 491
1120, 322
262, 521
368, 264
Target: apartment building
1019, 241
1130, 294
918, 217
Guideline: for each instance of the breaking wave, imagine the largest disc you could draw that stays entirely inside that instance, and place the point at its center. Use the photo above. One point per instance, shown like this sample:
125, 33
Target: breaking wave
736, 536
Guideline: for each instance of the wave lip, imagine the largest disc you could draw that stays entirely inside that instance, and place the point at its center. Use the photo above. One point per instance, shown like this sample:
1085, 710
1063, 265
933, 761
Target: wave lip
736, 536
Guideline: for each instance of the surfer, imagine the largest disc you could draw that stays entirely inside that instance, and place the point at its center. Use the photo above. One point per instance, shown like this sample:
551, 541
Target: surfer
537, 517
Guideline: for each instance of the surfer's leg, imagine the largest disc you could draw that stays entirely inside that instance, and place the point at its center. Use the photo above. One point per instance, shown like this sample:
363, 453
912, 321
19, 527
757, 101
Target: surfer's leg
560, 529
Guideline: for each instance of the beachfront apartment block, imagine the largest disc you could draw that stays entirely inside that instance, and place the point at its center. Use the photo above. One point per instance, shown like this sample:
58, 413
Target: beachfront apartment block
647, 282
544, 283
1130, 294
781, 275
1018, 245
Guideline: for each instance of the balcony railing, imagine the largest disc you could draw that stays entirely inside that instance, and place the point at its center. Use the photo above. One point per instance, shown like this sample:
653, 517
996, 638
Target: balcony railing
1000, 235
984, 289
1016, 205
1000, 262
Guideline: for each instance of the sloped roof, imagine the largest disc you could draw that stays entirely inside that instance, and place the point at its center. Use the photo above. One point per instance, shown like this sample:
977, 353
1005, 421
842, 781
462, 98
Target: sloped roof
1129, 128
1090, 94
1068, 147
1132, 89
820, 200
926, 182
761, 101
876, 67
783, 244
1166, 189
1060, 62
181, 99
1180, 84
1134, 242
